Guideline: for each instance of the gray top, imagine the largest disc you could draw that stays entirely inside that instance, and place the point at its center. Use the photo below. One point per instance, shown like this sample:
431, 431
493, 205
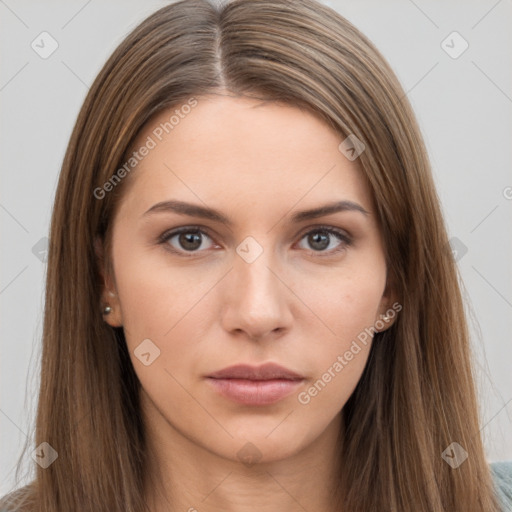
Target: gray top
502, 476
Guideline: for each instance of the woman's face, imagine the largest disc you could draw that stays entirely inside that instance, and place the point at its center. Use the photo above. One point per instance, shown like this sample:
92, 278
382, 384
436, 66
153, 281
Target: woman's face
258, 282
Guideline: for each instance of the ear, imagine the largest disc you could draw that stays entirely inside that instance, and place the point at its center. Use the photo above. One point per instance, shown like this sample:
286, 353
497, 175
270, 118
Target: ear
389, 308
109, 295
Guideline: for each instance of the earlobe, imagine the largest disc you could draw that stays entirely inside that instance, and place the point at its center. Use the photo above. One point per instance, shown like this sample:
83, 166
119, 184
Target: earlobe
384, 322
109, 306
388, 313
112, 313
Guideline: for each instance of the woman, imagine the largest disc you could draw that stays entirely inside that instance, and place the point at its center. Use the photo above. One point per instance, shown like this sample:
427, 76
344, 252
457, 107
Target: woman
250, 302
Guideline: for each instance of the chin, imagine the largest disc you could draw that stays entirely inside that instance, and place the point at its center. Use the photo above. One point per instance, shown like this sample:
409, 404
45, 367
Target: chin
259, 441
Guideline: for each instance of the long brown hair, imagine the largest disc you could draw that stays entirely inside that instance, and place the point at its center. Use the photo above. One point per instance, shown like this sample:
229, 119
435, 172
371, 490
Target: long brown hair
416, 395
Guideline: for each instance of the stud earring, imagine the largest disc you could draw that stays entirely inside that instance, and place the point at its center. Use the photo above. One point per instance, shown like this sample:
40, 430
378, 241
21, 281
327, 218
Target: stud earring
386, 318
107, 310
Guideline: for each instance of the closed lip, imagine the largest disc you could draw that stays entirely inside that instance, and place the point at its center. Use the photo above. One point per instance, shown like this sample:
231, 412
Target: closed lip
268, 371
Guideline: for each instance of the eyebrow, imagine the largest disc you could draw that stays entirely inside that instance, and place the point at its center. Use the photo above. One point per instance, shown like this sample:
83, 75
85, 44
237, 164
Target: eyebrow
195, 210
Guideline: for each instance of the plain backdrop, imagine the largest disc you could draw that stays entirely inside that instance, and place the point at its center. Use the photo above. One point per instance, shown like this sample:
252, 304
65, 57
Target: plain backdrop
462, 99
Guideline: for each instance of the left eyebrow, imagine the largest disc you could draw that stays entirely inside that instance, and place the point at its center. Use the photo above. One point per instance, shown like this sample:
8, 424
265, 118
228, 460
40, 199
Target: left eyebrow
327, 209
195, 210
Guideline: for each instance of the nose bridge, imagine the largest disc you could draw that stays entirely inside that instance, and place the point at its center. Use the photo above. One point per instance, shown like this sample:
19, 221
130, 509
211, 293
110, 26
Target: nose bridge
257, 303
252, 269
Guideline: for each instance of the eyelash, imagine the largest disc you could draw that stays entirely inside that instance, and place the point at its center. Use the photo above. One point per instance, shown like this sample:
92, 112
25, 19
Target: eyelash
165, 237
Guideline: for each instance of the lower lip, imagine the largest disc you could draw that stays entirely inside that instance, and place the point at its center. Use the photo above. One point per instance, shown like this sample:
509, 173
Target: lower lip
255, 392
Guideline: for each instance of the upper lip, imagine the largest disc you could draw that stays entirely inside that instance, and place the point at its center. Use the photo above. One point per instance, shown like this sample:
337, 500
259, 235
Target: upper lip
268, 371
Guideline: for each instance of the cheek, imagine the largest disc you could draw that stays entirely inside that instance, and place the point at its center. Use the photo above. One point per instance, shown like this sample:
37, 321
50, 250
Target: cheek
344, 301
154, 296
326, 394
169, 308
174, 310
347, 308
336, 365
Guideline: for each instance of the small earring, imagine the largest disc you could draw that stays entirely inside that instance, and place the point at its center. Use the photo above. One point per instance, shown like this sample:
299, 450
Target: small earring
386, 318
107, 310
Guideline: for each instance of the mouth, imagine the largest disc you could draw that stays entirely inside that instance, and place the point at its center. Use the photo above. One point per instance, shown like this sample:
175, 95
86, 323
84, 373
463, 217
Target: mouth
255, 385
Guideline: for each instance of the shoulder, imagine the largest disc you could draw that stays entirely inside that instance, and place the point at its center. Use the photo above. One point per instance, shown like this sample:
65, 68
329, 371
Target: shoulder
502, 478
19, 500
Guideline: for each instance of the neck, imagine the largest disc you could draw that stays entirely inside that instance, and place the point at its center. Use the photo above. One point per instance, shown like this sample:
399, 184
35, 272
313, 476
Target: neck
183, 475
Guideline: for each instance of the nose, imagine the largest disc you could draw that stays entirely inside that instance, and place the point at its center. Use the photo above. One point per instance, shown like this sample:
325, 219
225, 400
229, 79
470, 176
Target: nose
256, 302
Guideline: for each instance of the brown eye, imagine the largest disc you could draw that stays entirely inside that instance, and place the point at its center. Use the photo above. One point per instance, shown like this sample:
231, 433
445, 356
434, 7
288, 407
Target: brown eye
185, 240
320, 239
190, 241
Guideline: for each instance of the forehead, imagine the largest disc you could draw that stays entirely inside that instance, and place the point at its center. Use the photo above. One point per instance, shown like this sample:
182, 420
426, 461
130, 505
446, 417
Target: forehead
242, 151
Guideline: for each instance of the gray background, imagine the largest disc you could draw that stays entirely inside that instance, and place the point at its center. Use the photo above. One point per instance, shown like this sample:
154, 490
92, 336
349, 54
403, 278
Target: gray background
463, 105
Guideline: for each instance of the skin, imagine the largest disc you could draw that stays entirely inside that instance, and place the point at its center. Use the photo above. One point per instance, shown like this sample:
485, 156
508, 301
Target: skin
298, 304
